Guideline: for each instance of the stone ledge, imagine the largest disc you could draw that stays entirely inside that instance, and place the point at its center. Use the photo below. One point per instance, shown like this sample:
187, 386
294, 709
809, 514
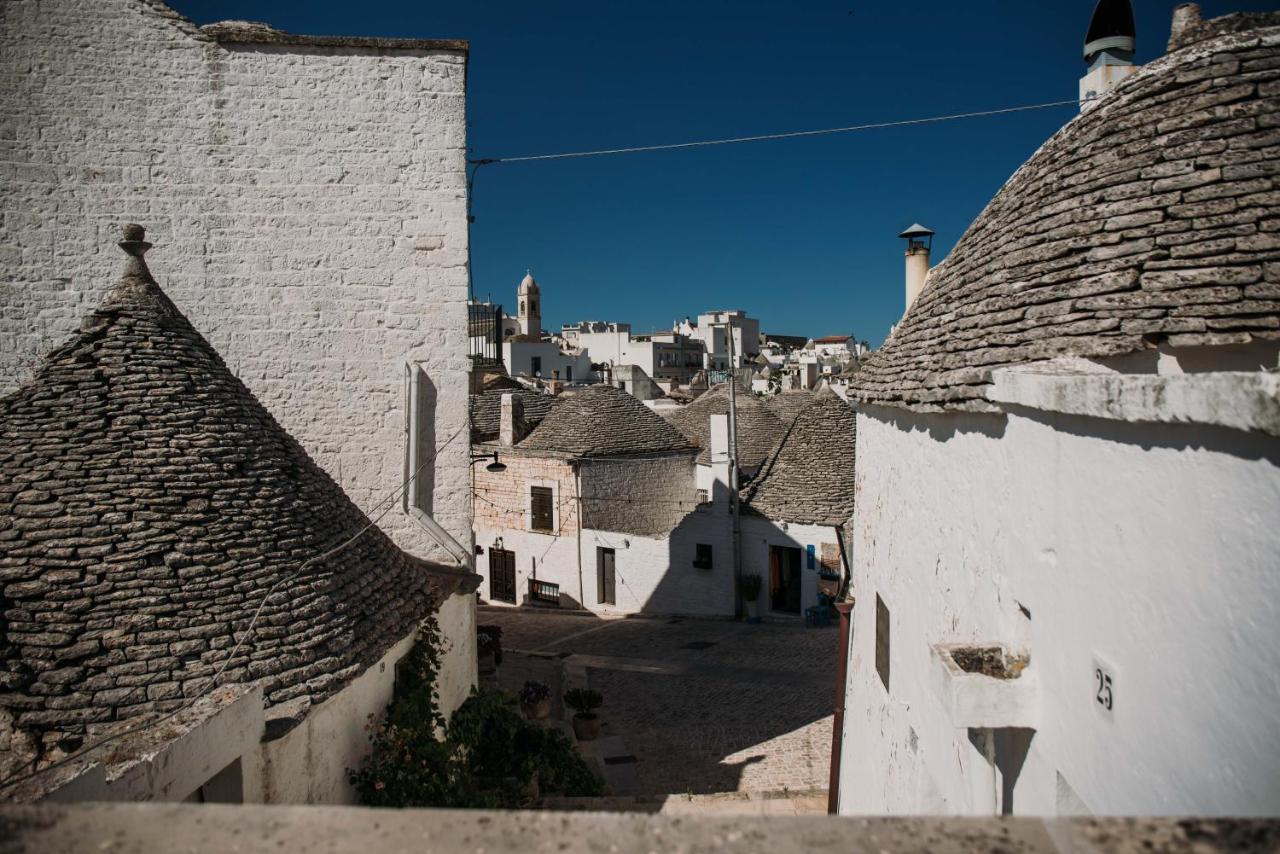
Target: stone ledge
1236, 399
280, 829
254, 32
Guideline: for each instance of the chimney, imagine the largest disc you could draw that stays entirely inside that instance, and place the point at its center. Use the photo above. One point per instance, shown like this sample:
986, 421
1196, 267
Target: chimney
1186, 17
719, 486
919, 243
1108, 50
511, 423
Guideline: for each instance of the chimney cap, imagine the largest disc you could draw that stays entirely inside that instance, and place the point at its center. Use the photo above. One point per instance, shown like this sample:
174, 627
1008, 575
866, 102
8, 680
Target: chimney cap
1110, 28
917, 230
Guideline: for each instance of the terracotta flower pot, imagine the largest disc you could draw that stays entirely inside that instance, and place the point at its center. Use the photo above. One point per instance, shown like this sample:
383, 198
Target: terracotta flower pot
586, 726
538, 711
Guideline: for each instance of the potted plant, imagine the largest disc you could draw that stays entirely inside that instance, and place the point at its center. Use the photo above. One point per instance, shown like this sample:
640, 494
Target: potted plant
584, 702
535, 701
489, 647
750, 587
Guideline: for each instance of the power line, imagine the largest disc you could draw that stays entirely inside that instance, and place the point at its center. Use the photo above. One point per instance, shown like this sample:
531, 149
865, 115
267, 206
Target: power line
389, 501
636, 149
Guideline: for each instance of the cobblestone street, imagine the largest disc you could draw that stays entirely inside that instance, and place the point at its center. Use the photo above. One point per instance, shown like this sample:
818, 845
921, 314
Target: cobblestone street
704, 705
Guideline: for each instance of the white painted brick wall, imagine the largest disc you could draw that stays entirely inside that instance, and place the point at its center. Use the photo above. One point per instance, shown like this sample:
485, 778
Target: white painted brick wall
285, 188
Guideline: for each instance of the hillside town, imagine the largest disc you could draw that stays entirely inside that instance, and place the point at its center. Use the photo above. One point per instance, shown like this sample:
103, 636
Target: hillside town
292, 520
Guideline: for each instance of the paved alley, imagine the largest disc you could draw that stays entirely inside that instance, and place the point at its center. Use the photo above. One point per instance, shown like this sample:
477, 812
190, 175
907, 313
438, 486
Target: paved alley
705, 706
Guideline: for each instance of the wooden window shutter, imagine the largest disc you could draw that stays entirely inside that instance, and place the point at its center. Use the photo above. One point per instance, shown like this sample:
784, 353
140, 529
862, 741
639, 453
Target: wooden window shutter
542, 499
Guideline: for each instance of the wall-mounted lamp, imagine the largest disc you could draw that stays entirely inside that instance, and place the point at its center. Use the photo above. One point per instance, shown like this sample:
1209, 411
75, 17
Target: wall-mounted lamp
494, 466
497, 544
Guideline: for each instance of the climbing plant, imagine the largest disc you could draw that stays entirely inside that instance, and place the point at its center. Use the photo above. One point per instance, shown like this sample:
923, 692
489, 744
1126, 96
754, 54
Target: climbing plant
487, 755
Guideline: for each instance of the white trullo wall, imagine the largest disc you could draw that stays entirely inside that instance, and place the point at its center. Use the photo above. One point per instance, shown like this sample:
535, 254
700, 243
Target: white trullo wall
308, 210
1152, 548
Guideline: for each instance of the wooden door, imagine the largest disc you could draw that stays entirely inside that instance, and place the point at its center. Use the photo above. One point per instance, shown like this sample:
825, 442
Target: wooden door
606, 577
502, 575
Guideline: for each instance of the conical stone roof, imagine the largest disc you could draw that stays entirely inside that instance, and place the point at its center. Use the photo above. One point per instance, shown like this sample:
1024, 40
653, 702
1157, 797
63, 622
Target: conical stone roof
1147, 220
601, 421
150, 503
808, 479
758, 429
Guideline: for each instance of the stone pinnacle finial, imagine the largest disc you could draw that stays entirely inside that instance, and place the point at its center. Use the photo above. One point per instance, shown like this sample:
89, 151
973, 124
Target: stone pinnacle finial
135, 246
134, 240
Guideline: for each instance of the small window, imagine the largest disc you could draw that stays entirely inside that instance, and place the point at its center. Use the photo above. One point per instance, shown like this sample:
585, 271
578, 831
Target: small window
535, 366
542, 503
882, 641
703, 498
702, 556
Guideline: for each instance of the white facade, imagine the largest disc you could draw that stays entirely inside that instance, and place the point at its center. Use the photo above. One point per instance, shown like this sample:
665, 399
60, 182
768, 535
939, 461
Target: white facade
711, 329
819, 552
663, 356
842, 347
654, 571
1120, 530
543, 359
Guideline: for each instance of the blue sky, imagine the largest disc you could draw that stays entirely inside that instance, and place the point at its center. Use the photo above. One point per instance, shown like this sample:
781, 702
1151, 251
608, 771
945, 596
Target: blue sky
800, 233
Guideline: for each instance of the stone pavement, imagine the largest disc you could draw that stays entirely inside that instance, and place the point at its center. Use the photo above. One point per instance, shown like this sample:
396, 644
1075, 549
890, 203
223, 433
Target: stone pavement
706, 706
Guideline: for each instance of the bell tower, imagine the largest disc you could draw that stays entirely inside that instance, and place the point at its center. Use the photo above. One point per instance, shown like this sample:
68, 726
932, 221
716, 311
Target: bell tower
530, 305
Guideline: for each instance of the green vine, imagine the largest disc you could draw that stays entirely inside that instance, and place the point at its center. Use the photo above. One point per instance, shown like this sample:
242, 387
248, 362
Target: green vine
487, 755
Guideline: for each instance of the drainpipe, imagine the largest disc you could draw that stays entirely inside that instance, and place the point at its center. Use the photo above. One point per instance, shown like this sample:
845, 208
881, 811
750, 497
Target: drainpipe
577, 497
837, 724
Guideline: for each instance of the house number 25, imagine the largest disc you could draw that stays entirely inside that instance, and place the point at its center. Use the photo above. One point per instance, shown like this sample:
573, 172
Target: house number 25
1104, 687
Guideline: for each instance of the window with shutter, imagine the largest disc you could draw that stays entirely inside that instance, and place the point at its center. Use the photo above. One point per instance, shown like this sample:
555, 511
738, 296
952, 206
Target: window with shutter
541, 500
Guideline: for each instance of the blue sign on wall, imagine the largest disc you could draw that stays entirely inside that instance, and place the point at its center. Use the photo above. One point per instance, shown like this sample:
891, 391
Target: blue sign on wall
810, 551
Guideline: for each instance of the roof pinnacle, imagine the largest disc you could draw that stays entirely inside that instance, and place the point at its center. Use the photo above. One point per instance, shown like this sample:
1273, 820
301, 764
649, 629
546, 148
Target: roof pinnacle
134, 244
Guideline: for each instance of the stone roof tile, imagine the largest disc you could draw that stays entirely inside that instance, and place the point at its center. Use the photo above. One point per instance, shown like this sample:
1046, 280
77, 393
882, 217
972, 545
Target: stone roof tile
150, 503
601, 421
758, 429
1149, 218
486, 411
809, 477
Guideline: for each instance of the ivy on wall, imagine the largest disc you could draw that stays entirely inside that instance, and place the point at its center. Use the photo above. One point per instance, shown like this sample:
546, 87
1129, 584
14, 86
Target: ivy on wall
487, 755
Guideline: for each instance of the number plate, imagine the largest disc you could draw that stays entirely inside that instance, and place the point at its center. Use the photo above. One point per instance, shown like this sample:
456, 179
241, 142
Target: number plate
1104, 688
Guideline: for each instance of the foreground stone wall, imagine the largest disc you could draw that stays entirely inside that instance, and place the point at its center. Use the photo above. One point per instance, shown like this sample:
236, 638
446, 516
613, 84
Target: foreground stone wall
211, 827
307, 206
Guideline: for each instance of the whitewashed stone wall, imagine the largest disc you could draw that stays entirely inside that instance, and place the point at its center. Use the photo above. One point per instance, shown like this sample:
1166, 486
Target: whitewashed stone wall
307, 206
643, 509
758, 535
1151, 548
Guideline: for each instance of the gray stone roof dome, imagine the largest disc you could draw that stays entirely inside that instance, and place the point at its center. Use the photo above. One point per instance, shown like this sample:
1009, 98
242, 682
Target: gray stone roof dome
486, 410
808, 479
759, 430
602, 421
149, 502
1150, 218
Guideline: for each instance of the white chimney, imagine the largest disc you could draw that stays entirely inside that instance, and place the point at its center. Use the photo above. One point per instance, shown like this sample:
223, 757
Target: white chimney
720, 462
1108, 49
919, 243
511, 423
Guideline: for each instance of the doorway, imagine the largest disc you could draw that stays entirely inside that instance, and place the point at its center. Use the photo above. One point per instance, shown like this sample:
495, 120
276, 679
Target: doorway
502, 575
606, 592
784, 579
